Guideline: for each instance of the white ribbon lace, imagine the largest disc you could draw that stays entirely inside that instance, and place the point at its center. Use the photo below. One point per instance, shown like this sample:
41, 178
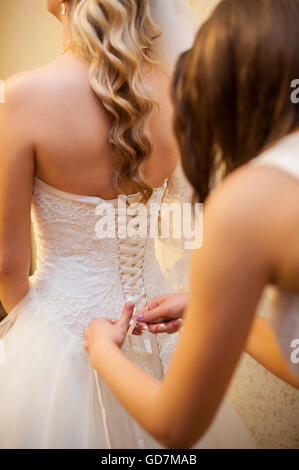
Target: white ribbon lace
131, 253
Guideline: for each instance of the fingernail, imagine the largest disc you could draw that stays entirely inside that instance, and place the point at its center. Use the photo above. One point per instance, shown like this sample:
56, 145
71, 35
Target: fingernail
162, 327
140, 313
139, 317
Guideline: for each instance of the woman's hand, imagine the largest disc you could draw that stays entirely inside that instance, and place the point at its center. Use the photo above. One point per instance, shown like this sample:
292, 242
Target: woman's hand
163, 314
103, 332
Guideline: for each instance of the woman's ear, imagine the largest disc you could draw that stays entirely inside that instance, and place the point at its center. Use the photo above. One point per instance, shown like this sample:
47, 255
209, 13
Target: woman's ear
64, 7
59, 8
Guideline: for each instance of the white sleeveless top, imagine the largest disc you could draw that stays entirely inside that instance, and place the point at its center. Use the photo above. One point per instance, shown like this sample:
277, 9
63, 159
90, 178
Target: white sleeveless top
284, 306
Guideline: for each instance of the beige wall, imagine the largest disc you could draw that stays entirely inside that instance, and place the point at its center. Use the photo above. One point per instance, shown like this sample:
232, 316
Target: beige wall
202, 8
30, 36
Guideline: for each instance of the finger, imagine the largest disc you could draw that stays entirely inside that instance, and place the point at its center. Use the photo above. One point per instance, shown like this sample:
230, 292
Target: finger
173, 326
142, 326
137, 332
151, 316
153, 303
85, 346
154, 328
126, 315
167, 327
162, 328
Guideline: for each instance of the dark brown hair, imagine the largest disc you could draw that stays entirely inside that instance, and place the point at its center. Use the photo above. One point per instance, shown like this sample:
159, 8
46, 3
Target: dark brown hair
232, 90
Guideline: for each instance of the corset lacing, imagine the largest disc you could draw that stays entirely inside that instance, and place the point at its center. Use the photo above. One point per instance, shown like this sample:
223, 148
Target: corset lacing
131, 261
131, 250
131, 269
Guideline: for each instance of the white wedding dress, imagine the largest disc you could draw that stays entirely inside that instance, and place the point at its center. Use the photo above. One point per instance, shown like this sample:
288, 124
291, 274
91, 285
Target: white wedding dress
49, 395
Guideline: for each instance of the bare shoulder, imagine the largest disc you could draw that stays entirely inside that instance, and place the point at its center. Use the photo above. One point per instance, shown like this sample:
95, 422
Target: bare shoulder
18, 90
46, 83
25, 89
15, 112
257, 202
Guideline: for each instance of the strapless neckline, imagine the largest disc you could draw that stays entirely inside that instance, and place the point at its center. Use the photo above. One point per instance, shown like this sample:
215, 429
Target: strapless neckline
90, 199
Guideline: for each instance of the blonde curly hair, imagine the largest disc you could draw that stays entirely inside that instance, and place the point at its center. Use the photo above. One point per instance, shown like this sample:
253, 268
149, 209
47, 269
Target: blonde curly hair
116, 37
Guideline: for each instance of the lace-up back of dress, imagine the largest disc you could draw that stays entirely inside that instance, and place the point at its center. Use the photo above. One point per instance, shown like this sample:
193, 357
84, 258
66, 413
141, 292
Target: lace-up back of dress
80, 270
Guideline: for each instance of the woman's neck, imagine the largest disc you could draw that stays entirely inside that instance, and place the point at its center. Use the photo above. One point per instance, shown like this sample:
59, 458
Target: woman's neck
66, 35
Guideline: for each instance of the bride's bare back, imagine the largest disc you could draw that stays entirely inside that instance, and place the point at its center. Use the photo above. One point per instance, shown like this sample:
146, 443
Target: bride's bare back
70, 129
53, 126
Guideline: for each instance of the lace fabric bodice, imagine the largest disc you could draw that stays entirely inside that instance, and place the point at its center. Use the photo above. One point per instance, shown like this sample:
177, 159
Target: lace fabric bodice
79, 275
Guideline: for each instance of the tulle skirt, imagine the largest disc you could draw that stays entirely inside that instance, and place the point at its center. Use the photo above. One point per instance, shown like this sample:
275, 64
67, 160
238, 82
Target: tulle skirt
50, 397
48, 393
